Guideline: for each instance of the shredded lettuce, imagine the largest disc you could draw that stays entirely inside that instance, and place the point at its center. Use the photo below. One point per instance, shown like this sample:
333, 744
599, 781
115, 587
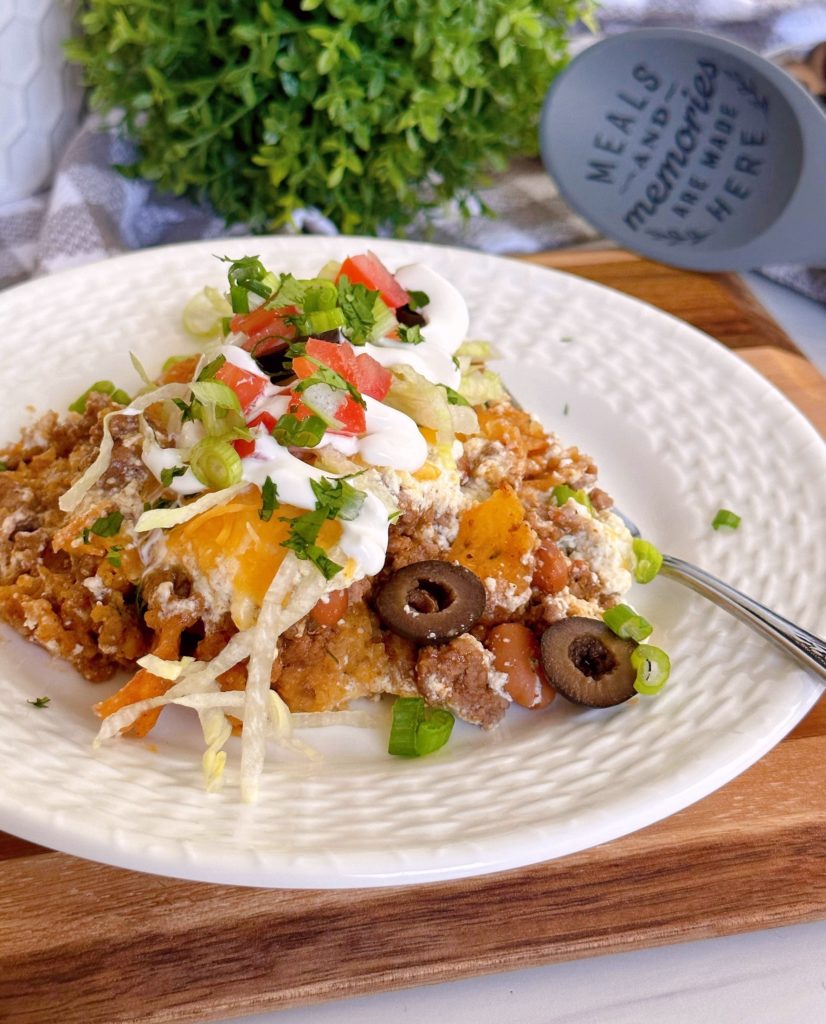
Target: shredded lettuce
163, 668
70, 499
164, 518
425, 403
480, 386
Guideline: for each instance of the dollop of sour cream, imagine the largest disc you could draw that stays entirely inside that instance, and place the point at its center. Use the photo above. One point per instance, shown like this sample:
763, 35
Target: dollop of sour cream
391, 439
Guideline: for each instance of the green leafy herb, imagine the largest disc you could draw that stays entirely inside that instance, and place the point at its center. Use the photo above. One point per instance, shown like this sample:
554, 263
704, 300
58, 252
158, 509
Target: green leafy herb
86, 536
292, 432
103, 387
107, 526
371, 113
337, 498
40, 702
324, 375
410, 335
269, 500
168, 475
453, 397
418, 299
357, 303
304, 532
212, 367
114, 555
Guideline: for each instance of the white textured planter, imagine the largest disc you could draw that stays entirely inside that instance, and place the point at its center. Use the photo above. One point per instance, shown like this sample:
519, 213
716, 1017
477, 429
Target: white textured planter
40, 95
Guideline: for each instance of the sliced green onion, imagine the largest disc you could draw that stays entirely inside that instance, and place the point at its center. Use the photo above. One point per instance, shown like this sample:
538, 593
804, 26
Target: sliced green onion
417, 730
724, 517
215, 392
653, 668
324, 320
215, 463
562, 492
434, 731
649, 560
321, 295
103, 387
407, 713
290, 431
626, 623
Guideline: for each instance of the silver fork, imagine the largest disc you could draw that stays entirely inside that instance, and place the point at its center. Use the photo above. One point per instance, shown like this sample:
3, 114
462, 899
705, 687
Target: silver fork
802, 645
794, 640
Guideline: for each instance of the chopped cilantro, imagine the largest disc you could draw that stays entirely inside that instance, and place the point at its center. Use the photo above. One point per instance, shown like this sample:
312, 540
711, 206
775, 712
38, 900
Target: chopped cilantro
86, 535
107, 526
292, 432
357, 302
418, 299
324, 375
410, 335
335, 499
454, 398
39, 702
114, 555
269, 500
212, 367
168, 475
338, 499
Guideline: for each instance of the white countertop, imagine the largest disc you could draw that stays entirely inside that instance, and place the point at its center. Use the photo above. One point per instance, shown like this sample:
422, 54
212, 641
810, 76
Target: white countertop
776, 976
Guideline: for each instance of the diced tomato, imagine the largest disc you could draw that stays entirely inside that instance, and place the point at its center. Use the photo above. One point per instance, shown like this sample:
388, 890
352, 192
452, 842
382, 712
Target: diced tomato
370, 271
372, 378
363, 371
245, 448
349, 414
247, 385
303, 367
266, 329
351, 417
339, 357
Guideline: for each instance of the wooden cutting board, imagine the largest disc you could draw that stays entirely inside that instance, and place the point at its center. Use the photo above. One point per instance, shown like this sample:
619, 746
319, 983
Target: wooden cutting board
82, 943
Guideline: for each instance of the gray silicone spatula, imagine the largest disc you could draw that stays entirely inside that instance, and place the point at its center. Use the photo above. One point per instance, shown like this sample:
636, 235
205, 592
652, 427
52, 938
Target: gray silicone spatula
691, 150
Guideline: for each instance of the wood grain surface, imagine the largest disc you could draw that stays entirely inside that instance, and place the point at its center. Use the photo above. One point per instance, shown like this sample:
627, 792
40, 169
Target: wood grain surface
82, 943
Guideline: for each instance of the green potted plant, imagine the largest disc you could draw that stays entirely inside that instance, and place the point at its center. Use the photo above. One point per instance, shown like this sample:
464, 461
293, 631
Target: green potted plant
369, 111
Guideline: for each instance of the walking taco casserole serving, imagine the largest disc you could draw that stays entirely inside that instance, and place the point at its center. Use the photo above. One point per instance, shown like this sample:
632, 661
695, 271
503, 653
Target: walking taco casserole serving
336, 500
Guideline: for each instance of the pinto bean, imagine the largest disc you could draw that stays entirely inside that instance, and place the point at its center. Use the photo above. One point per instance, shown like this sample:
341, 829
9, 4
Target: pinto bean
330, 608
551, 572
515, 652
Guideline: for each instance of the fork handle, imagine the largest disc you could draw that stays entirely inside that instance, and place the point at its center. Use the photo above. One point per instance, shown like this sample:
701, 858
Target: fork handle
805, 647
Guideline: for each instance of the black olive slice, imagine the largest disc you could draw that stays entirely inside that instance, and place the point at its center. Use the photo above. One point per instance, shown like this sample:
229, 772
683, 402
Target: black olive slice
431, 602
587, 663
410, 317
